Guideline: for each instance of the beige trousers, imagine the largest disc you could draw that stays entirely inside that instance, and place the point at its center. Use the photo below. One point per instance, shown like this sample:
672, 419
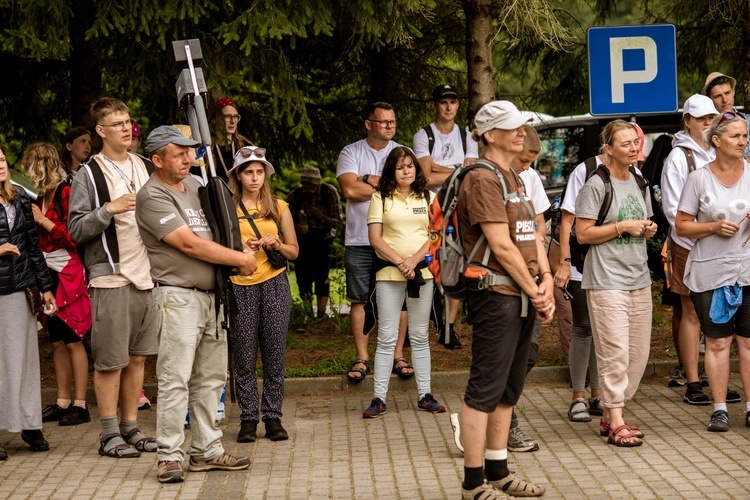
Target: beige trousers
621, 327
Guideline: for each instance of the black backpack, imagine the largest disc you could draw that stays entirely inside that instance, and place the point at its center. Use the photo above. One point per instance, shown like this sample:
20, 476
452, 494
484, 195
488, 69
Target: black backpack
578, 251
431, 138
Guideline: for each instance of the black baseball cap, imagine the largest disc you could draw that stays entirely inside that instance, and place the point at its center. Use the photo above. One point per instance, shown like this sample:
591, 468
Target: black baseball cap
443, 91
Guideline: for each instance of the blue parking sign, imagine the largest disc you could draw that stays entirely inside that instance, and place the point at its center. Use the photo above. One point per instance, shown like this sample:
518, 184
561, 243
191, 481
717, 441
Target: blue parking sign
632, 69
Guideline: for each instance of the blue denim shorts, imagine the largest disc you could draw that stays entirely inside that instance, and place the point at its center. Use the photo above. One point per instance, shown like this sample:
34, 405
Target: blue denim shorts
358, 262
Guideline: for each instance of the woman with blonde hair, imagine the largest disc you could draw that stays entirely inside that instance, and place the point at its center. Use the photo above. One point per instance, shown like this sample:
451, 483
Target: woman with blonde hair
23, 275
263, 299
66, 330
616, 276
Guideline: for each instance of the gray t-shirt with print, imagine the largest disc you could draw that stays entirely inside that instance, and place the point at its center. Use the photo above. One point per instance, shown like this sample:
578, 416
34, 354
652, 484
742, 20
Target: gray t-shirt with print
620, 263
159, 211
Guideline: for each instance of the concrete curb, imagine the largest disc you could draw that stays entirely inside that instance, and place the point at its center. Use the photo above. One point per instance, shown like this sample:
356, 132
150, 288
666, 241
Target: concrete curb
440, 380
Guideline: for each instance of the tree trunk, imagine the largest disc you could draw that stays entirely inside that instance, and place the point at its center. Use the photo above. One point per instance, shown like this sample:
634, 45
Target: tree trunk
479, 35
85, 64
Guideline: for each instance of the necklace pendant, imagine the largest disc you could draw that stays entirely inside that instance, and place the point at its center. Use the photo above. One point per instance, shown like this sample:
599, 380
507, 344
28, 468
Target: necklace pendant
132, 186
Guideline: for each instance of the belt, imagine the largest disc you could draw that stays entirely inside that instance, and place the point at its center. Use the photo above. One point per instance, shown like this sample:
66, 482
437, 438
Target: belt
158, 284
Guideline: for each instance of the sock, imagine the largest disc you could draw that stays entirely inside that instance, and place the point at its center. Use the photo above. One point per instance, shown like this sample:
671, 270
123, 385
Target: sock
109, 427
496, 464
80, 403
126, 427
423, 395
747, 406
720, 406
63, 403
473, 477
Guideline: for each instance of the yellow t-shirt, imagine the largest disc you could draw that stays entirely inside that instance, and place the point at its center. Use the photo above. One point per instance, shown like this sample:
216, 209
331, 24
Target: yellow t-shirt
265, 270
405, 228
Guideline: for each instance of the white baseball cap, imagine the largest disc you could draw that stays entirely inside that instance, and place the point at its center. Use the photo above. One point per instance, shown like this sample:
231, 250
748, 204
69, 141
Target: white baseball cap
503, 115
698, 106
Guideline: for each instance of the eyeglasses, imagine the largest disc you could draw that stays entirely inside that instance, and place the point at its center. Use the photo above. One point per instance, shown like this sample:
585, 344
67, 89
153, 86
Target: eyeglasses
731, 115
246, 152
384, 123
566, 294
121, 126
230, 118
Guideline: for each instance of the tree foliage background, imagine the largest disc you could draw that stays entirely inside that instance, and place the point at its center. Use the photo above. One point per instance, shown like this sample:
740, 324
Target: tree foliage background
301, 70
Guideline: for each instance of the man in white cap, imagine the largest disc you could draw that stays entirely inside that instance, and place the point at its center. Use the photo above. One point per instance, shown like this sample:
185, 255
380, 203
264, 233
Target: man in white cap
440, 147
192, 362
720, 89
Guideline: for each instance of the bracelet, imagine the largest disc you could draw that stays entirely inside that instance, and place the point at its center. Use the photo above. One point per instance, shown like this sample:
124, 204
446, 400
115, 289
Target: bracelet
619, 234
546, 272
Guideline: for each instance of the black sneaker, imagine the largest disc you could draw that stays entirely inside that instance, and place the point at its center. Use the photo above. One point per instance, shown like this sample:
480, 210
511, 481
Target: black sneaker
53, 413
274, 430
3, 454
248, 431
733, 396
677, 377
719, 421
429, 403
453, 342
376, 408
694, 395
75, 416
35, 440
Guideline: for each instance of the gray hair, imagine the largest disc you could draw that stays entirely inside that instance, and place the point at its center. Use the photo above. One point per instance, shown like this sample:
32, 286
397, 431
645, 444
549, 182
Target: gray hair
719, 126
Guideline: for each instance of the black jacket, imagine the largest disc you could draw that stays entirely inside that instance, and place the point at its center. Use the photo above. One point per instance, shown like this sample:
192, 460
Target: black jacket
18, 272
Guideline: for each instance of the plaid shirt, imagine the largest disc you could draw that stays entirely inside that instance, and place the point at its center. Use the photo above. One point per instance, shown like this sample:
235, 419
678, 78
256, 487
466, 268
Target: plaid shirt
326, 198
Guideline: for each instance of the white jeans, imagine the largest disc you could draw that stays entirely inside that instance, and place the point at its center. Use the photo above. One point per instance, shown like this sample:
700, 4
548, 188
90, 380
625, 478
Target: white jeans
191, 367
390, 298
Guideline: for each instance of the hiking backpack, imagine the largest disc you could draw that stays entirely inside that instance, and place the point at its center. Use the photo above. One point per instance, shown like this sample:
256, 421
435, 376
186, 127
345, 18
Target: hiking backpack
578, 250
449, 266
431, 138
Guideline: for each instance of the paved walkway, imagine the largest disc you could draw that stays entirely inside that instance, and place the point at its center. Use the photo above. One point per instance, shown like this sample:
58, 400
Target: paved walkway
334, 453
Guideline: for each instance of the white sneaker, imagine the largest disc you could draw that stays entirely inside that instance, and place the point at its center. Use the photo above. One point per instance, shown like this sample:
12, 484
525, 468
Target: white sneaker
457, 432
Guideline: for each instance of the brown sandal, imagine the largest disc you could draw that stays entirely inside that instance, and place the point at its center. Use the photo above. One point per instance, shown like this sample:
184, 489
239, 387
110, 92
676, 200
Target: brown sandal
401, 370
361, 371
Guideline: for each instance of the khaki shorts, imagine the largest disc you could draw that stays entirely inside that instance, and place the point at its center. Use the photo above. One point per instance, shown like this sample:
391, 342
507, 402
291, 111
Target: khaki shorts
125, 322
679, 260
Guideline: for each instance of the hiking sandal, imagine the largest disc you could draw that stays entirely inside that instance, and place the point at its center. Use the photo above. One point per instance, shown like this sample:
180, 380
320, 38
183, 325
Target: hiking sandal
620, 440
578, 411
362, 371
119, 450
141, 443
401, 370
511, 485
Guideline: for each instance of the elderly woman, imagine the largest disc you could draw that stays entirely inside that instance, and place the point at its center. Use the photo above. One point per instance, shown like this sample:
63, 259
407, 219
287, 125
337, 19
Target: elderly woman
712, 210
397, 225
495, 214
691, 151
616, 276
264, 299
23, 272
67, 328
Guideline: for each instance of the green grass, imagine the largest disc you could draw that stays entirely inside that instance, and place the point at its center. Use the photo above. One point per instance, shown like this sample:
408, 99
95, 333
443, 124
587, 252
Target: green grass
338, 286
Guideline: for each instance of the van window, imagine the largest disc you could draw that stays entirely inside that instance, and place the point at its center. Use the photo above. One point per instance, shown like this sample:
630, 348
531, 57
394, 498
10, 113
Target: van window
561, 152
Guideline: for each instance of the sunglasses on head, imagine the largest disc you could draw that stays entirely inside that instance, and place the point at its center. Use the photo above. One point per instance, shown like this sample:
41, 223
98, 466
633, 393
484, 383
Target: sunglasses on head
249, 153
731, 115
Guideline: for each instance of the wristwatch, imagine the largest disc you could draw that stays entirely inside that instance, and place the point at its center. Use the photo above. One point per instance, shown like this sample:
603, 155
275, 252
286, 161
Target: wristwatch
366, 178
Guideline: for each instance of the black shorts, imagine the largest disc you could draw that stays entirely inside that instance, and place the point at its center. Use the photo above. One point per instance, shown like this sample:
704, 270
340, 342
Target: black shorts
58, 331
739, 324
500, 349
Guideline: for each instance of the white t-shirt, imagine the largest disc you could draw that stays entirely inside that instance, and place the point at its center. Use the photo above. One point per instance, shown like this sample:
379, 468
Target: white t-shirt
360, 159
448, 151
535, 190
716, 261
575, 182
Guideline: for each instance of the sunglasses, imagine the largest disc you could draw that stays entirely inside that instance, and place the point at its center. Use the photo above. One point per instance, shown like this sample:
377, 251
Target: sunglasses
731, 115
246, 152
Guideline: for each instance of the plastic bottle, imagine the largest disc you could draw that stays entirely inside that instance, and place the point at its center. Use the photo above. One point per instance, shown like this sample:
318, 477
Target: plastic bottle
450, 230
428, 258
303, 220
657, 193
